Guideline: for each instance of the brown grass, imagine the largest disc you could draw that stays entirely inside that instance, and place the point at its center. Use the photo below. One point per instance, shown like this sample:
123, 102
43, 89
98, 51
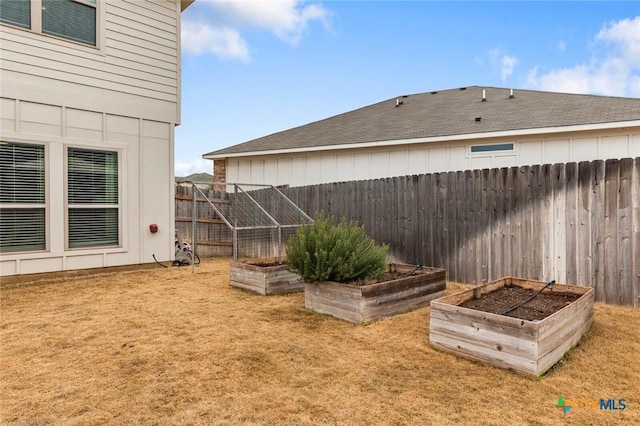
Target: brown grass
166, 346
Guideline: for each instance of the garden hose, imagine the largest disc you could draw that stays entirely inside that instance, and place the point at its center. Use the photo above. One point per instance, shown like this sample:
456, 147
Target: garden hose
549, 283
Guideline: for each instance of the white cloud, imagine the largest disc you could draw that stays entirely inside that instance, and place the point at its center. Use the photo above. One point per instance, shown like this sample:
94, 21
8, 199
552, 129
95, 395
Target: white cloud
225, 43
634, 86
285, 18
503, 63
219, 32
624, 36
562, 45
197, 165
613, 69
508, 63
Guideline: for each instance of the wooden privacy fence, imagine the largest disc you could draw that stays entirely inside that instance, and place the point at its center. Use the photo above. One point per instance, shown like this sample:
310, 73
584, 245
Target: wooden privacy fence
214, 236
577, 223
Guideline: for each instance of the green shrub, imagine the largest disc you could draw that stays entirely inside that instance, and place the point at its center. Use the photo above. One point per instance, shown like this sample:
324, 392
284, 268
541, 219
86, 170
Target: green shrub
326, 251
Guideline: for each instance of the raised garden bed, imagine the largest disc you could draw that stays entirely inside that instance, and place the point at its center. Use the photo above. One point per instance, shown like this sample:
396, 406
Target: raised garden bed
403, 288
264, 276
482, 323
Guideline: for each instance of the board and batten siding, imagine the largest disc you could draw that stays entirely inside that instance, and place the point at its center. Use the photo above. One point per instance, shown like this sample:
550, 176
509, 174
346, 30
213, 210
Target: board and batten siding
372, 163
133, 71
122, 95
145, 150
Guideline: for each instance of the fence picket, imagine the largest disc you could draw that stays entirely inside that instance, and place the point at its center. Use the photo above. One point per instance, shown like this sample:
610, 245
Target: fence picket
576, 223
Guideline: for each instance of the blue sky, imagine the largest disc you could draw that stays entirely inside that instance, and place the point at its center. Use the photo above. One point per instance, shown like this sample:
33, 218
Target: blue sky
255, 67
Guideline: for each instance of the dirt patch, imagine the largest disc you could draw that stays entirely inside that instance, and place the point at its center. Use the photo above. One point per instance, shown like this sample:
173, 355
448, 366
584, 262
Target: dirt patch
507, 297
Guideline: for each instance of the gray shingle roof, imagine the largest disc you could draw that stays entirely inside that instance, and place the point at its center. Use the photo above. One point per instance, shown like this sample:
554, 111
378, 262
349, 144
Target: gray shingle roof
447, 113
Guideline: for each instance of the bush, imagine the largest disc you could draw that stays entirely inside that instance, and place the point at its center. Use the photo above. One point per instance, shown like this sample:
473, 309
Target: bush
325, 251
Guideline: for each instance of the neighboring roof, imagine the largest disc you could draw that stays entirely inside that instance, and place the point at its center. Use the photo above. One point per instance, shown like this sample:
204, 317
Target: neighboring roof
446, 113
195, 177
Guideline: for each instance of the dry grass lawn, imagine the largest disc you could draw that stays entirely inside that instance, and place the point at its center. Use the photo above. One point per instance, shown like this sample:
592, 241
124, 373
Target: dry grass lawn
165, 346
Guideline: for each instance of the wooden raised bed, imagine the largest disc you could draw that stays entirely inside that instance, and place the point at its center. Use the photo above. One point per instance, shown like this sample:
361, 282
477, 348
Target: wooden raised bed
264, 276
530, 347
363, 303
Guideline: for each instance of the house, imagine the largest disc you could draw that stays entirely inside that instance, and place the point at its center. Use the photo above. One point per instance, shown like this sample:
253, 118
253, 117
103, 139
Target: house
90, 96
457, 129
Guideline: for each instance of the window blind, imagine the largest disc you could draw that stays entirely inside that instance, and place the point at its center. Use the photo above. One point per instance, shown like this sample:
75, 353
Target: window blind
16, 12
21, 173
22, 230
22, 197
69, 19
92, 194
92, 177
93, 227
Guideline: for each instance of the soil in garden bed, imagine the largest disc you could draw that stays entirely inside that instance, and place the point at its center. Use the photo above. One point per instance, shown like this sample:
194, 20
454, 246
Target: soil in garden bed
264, 263
387, 276
504, 298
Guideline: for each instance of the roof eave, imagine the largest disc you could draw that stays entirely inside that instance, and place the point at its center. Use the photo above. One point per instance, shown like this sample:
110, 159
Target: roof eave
185, 4
468, 136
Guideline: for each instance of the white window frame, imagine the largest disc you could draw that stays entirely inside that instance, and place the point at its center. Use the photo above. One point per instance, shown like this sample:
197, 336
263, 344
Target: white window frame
36, 22
492, 152
118, 206
31, 206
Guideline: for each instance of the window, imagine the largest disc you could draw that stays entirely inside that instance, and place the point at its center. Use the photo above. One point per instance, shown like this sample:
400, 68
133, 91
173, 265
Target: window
491, 148
92, 198
22, 197
16, 13
70, 19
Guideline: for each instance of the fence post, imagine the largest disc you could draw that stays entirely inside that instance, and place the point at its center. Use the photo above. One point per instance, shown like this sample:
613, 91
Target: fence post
194, 226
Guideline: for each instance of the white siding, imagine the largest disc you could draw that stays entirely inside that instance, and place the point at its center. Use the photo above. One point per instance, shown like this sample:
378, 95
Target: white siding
298, 170
360, 164
458, 159
7, 114
84, 124
329, 168
379, 166
344, 168
133, 71
481, 162
398, 164
634, 146
531, 151
271, 171
417, 161
584, 148
154, 160
312, 169
145, 174
122, 95
611, 145
284, 171
257, 171
556, 151
503, 161
437, 160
